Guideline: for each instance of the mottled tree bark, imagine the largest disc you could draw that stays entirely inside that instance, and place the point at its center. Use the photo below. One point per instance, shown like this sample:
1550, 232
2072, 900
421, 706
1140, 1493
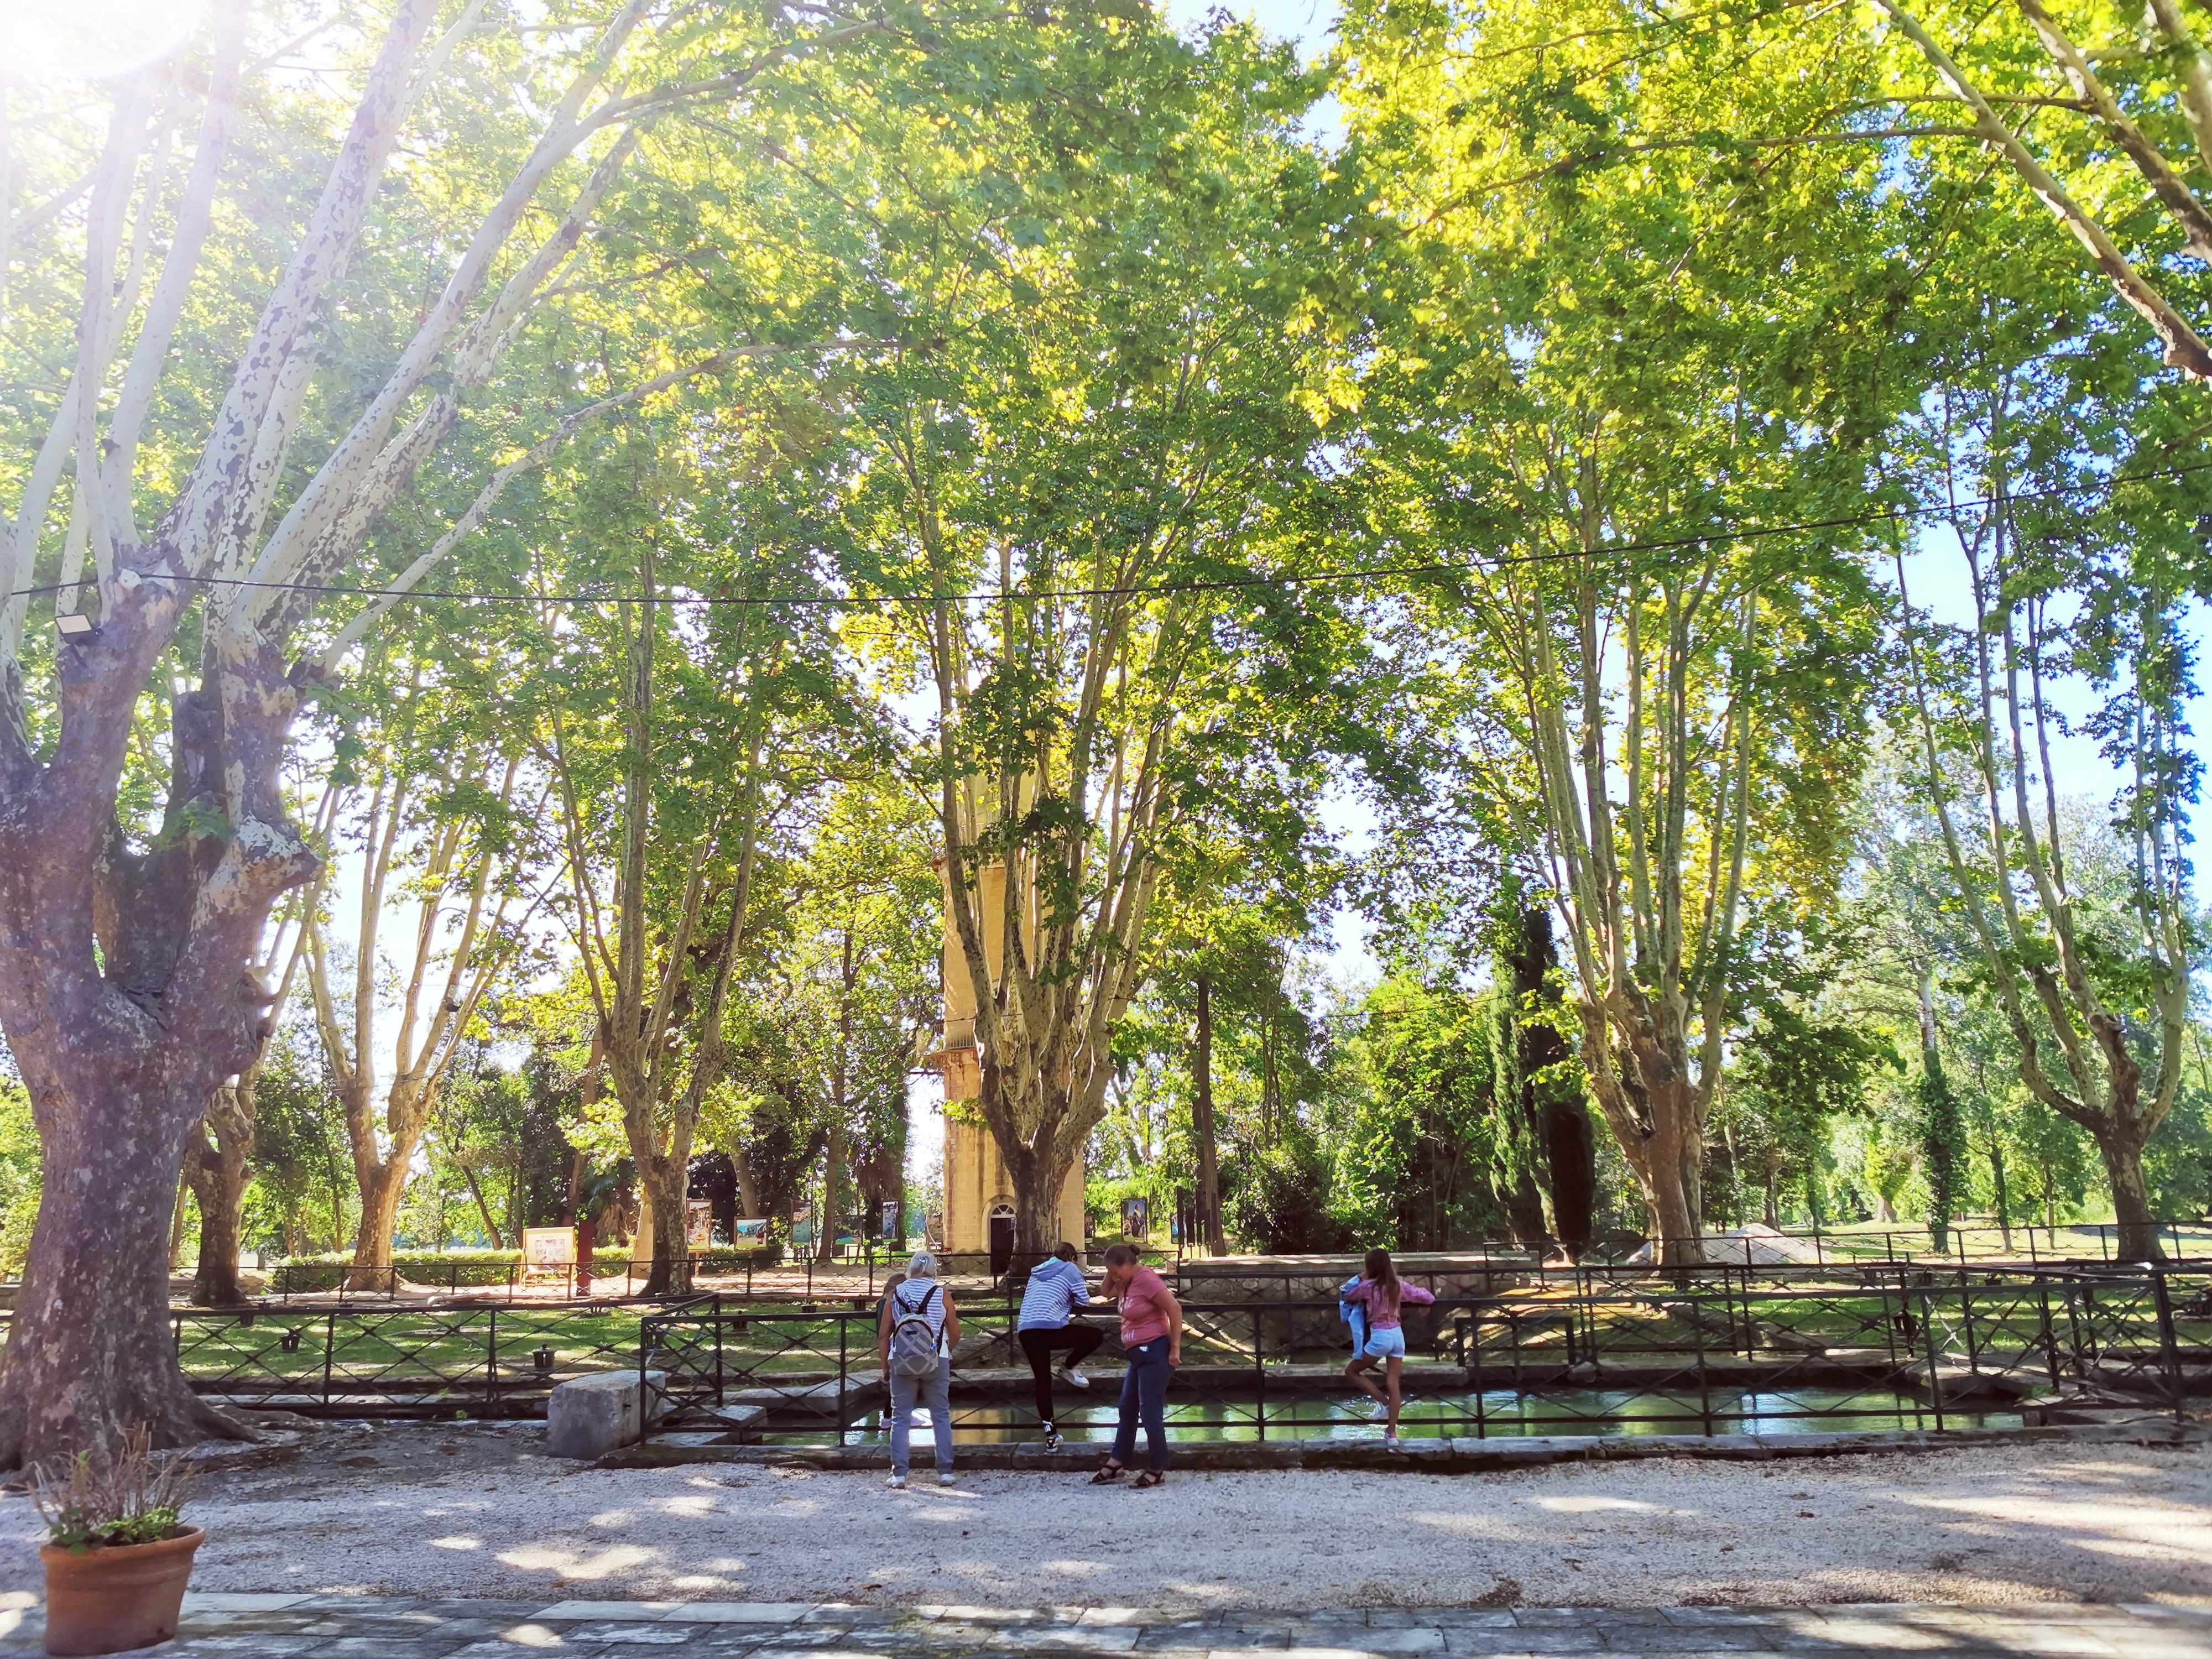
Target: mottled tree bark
215, 1164
667, 1185
127, 1003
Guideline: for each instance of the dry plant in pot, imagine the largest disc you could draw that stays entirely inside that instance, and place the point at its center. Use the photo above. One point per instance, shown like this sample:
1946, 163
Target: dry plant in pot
116, 1557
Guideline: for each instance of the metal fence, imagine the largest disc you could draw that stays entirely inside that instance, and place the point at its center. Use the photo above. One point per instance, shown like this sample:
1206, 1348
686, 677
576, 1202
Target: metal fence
1598, 1350
751, 1272
1672, 1354
357, 1361
505, 1281
744, 1271
2078, 1243
866, 1264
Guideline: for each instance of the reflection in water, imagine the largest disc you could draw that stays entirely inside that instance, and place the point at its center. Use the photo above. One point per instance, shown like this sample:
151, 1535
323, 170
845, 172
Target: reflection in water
1500, 1412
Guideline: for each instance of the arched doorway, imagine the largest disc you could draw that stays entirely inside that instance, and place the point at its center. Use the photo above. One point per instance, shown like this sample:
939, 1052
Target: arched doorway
1002, 1237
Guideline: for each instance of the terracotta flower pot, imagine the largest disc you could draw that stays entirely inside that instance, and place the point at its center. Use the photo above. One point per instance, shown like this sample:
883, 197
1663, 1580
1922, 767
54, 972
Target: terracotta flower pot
117, 1596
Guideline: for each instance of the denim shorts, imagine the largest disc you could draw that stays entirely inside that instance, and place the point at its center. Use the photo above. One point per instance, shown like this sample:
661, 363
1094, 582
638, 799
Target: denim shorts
1385, 1344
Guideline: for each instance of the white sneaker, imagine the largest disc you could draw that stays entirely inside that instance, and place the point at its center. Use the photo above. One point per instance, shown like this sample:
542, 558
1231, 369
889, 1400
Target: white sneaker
1390, 1443
896, 1483
946, 1478
1380, 1414
1073, 1378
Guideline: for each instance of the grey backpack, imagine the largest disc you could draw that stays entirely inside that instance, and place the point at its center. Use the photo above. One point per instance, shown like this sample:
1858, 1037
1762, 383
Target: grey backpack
913, 1339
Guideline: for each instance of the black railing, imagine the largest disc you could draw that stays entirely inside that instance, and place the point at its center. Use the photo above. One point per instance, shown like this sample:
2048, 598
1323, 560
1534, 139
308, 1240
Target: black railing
747, 1272
1672, 1354
357, 1361
2180, 1242
1891, 1344
504, 1281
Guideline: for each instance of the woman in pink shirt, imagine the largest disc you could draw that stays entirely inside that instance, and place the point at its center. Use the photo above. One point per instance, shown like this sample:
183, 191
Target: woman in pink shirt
1381, 1293
1152, 1337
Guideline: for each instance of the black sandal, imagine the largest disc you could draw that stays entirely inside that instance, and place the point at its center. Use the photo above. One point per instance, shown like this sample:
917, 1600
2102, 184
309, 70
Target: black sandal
1149, 1478
1108, 1474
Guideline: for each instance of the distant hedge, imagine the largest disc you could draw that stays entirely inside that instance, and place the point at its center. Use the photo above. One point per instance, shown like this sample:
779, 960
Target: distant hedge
466, 1267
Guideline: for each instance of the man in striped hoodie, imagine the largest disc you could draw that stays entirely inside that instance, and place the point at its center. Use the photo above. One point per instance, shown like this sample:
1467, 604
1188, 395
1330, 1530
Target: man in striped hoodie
1055, 1291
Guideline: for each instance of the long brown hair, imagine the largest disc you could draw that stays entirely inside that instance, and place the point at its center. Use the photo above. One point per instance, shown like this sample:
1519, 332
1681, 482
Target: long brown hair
1381, 1270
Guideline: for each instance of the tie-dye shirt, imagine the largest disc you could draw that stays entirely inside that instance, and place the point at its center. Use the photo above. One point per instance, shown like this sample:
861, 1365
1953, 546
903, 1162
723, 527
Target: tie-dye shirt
1381, 1308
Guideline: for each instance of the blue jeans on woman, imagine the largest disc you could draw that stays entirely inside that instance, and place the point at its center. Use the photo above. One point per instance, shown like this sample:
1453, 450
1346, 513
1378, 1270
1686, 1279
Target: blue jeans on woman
1145, 1392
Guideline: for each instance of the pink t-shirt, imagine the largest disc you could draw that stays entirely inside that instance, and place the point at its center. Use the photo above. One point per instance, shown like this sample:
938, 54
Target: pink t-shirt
1381, 1311
1143, 1320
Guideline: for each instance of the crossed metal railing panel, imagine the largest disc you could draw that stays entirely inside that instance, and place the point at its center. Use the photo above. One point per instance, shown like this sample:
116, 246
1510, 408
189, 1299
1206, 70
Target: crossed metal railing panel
1703, 1353
239, 1355
396, 1358
1716, 1356
716, 1361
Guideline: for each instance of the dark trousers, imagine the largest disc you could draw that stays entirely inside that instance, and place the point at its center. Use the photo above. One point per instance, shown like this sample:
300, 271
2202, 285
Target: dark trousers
1080, 1341
1145, 1393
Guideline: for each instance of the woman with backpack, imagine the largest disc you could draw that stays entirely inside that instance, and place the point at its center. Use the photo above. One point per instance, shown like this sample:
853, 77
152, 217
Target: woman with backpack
914, 1339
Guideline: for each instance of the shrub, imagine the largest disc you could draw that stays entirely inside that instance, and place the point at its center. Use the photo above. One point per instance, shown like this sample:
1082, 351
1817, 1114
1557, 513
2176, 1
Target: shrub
1281, 1203
462, 1269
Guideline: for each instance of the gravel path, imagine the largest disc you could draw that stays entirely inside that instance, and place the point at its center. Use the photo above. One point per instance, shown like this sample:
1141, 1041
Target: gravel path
480, 1512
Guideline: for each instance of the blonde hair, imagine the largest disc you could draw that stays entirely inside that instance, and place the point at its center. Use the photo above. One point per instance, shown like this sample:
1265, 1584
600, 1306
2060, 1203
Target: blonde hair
922, 1265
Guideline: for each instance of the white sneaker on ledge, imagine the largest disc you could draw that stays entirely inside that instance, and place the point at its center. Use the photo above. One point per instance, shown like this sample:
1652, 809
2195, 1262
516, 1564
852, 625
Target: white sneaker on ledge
1073, 1378
896, 1483
946, 1478
1380, 1414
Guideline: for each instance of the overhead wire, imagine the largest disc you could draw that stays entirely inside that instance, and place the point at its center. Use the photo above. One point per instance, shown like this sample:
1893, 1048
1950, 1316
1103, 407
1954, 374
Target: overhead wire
1732, 533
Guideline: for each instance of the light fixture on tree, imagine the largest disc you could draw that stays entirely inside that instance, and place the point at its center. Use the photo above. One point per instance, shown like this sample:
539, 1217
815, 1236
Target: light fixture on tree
75, 626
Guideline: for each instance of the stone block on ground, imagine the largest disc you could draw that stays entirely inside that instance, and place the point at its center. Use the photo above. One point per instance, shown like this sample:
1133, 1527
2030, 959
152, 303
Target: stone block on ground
591, 1416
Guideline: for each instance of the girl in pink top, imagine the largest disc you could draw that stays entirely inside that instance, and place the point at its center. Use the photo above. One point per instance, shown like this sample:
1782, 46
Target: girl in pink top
1381, 1293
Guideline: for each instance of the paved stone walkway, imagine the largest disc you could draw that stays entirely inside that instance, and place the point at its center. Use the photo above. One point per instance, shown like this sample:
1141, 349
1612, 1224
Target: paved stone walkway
222, 1626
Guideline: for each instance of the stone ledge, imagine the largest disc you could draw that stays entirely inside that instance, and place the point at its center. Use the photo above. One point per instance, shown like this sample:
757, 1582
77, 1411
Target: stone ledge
1454, 1456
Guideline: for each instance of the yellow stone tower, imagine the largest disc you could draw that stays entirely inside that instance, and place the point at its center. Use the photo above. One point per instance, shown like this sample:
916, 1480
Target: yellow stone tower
979, 1196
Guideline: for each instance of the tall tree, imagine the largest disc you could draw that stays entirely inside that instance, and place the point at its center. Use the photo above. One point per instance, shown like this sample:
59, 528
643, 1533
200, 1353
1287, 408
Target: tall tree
2093, 986
436, 830
1069, 495
218, 1157
1593, 408
209, 544
1208, 1193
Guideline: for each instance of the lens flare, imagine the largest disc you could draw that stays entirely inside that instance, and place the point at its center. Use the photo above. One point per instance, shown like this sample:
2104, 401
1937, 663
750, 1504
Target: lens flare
90, 40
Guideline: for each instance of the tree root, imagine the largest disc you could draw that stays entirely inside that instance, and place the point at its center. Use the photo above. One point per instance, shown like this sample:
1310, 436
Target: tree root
179, 1418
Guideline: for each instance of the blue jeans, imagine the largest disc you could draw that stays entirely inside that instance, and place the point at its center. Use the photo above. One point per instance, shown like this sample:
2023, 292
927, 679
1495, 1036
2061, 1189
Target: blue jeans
1145, 1392
936, 1393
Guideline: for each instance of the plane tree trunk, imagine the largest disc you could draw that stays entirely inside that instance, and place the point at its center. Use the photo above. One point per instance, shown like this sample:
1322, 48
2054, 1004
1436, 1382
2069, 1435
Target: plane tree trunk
216, 1167
127, 1003
642, 979
2056, 987
667, 1188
